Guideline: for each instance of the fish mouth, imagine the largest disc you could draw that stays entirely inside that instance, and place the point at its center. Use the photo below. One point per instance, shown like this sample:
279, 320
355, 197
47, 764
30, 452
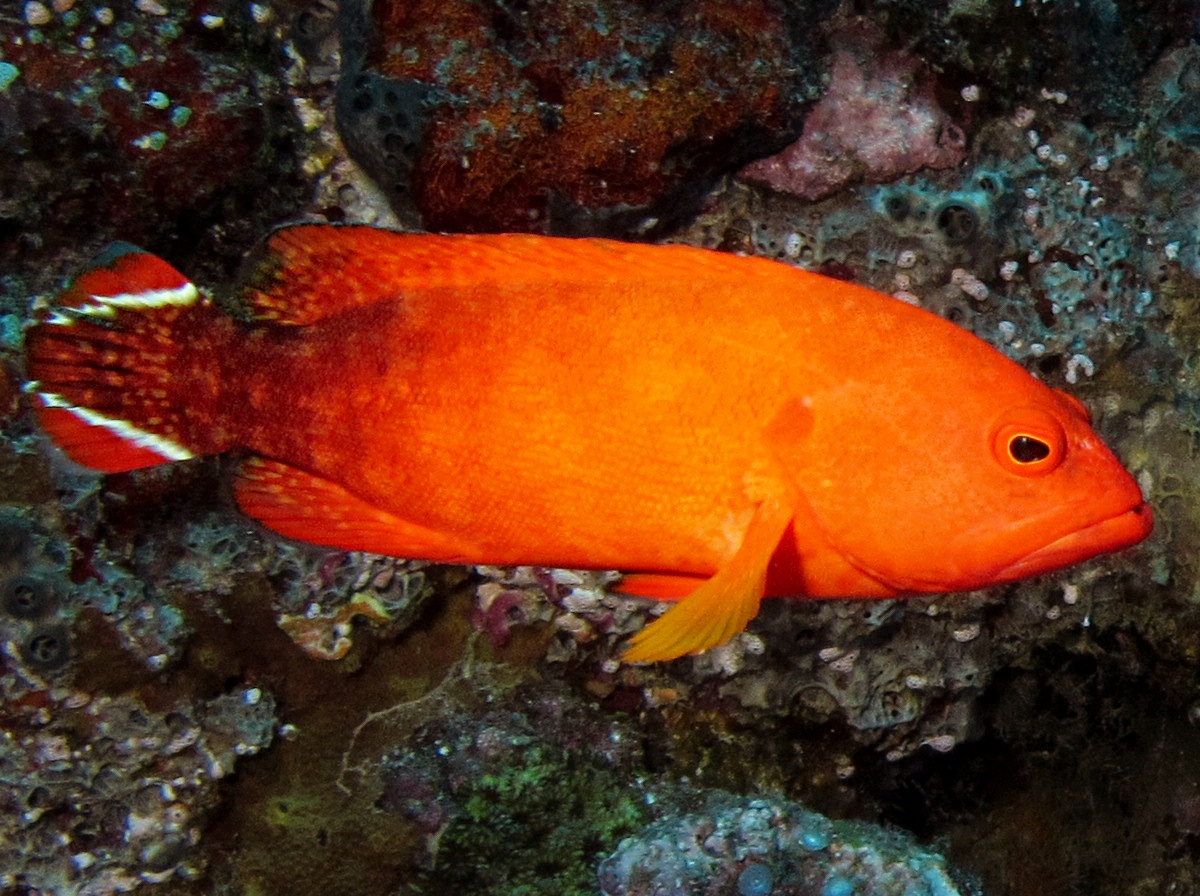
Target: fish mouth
1112, 534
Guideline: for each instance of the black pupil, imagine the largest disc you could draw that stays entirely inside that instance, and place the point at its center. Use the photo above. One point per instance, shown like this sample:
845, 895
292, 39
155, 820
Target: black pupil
1028, 450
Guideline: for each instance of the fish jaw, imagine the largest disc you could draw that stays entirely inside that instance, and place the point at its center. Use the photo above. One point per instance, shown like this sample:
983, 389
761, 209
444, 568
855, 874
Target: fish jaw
964, 570
1115, 533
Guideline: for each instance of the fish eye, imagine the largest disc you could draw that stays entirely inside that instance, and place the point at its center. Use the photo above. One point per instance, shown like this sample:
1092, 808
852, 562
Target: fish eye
1029, 442
1027, 449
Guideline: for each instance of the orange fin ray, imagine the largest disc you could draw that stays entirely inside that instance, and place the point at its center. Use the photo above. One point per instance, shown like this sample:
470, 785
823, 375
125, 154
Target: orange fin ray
723, 605
302, 275
306, 507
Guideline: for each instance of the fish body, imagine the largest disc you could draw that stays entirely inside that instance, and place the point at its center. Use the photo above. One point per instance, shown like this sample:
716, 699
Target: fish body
723, 427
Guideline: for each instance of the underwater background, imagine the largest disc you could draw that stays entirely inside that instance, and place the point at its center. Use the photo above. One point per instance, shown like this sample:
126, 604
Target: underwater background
190, 704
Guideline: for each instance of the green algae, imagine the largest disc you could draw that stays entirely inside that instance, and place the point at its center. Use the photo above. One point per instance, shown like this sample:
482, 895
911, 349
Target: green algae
536, 828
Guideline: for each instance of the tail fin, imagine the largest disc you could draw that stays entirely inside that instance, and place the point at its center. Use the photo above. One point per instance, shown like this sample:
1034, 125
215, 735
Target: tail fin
115, 367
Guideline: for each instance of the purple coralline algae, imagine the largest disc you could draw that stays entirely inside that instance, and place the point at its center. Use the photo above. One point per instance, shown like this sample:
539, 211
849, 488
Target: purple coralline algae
575, 601
878, 119
773, 847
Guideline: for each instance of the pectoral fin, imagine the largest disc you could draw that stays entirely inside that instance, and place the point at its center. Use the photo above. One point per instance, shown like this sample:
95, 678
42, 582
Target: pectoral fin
723, 605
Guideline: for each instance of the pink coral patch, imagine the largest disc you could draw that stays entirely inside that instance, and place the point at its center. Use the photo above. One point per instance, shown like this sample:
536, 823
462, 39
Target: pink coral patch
878, 120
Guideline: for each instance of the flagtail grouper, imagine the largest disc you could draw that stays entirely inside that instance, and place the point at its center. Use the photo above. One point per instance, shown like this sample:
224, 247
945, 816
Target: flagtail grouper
722, 428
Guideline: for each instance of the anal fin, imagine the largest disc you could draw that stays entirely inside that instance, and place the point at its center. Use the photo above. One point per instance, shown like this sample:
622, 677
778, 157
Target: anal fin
723, 605
309, 508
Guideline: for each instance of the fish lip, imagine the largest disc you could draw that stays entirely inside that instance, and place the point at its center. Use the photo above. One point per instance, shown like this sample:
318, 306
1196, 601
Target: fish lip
1113, 533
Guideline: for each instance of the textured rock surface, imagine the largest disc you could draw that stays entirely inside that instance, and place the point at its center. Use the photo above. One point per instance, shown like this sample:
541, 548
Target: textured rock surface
566, 116
879, 119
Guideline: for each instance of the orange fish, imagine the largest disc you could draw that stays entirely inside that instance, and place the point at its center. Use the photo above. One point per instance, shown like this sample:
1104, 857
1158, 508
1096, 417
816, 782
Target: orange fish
723, 427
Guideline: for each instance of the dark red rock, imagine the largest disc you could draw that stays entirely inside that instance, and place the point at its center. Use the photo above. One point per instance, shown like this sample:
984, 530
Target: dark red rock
143, 127
563, 115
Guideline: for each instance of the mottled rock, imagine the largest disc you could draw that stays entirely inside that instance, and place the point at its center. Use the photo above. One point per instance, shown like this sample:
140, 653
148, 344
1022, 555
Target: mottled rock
131, 122
756, 847
565, 116
1090, 54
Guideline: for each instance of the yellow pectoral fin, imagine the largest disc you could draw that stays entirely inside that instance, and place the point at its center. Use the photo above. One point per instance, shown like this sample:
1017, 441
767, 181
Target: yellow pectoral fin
723, 605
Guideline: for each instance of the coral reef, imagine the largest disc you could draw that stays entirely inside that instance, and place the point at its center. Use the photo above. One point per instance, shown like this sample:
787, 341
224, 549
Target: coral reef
100, 792
772, 847
122, 716
411, 724
164, 117
1095, 52
533, 796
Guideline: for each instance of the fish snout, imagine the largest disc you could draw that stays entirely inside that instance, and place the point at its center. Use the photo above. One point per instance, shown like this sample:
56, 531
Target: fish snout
1114, 533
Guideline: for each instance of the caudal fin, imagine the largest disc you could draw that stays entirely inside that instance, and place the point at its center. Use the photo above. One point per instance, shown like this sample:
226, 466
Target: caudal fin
116, 367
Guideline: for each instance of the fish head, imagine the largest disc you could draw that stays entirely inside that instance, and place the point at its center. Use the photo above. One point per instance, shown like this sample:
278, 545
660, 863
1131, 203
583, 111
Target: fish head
1096, 505
986, 487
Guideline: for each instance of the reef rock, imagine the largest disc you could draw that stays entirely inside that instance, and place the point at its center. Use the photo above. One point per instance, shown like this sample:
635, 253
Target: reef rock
878, 120
772, 847
564, 116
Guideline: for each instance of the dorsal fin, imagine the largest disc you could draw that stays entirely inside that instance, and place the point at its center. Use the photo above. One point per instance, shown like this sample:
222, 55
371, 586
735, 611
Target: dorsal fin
311, 271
